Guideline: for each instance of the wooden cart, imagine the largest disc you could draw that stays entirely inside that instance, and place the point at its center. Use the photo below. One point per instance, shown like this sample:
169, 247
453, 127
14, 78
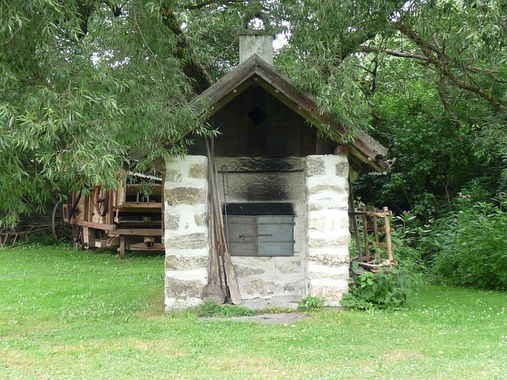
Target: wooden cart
129, 218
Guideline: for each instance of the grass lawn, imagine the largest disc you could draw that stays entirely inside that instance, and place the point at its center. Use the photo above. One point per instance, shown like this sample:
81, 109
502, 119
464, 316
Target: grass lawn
78, 315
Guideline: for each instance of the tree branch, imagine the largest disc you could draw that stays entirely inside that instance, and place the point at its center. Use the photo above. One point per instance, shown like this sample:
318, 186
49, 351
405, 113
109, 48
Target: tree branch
441, 62
205, 4
396, 53
192, 67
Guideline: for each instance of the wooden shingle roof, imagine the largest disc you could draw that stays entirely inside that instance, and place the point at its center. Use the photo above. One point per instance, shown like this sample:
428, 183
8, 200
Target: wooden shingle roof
365, 152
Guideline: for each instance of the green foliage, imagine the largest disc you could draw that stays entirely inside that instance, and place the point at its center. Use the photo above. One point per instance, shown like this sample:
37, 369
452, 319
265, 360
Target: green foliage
470, 245
310, 303
212, 309
383, 290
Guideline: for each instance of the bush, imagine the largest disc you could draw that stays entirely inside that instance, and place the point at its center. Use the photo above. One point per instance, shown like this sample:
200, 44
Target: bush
472, 246
383, 290
310, 303
212, 309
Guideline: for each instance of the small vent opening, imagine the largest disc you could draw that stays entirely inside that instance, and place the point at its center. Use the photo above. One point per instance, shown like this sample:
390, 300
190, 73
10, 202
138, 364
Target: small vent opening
256, 115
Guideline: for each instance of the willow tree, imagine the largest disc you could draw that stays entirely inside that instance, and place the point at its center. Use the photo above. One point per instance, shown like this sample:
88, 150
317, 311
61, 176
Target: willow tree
89, 88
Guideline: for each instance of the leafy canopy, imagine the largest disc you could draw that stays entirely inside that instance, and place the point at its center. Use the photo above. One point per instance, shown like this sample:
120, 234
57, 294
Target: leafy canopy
90, 88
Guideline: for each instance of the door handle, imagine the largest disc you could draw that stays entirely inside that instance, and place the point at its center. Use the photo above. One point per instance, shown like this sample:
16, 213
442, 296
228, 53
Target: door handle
260, 235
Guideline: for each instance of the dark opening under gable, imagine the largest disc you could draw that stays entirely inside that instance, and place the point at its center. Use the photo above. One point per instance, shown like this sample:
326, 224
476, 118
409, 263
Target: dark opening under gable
257, 124
222, 99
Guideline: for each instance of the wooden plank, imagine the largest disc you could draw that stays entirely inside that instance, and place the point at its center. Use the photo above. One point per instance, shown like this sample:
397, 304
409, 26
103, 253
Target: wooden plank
389, 242
98, 226
261, 164
141, 205
137, 232
123, 247
366, 241
142, 247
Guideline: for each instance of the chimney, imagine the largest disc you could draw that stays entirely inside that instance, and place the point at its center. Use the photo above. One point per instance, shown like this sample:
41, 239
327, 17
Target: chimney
256, 42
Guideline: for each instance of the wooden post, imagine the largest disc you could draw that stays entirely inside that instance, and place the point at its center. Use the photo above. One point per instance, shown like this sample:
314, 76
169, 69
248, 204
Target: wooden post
122, 248
365, 233
377, 242
353, 219
389, 242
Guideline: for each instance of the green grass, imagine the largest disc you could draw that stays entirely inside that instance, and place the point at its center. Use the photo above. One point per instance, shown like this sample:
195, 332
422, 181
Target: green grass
79, 315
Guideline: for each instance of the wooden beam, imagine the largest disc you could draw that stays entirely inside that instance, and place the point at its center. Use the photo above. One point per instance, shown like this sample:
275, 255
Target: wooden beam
98, 226
137, 232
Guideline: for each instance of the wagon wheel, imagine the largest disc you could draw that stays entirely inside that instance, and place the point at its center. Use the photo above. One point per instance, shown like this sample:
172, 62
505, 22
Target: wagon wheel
101, 196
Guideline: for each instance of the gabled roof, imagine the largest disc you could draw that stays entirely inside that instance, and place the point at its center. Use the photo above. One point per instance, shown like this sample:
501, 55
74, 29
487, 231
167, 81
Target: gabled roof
365, 151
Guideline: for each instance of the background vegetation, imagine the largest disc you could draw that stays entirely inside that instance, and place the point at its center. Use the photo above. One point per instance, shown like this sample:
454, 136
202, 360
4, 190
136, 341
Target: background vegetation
90, 89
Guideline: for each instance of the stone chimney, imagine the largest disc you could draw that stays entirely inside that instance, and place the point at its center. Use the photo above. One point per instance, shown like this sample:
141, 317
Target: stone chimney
256, 42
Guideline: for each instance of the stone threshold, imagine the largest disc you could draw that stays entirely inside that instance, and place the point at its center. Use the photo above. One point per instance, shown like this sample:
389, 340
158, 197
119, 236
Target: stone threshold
278, 318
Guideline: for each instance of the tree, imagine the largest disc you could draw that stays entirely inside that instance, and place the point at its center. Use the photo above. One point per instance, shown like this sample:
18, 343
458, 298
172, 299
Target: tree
90, 88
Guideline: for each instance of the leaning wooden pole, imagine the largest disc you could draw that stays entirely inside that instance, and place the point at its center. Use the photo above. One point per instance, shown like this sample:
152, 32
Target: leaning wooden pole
389, 242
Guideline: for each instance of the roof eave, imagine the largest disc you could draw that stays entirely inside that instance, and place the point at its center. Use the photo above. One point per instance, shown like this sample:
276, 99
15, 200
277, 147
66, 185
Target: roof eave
364, 147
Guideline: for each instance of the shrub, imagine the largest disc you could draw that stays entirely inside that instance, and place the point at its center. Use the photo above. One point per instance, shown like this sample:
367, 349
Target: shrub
383, 290
310, 303
212, 309
472, 246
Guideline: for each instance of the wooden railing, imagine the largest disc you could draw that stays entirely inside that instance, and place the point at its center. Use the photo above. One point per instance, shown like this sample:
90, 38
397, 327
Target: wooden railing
372, 231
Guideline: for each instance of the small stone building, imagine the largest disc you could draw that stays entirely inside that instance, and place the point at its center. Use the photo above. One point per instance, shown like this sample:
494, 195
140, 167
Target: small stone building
285, 190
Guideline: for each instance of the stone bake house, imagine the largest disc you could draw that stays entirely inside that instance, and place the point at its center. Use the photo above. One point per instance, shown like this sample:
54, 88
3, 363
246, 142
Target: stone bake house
284, 186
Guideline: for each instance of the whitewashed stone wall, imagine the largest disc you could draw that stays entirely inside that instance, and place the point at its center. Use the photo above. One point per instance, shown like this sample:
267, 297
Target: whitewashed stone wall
186, 231
327, 232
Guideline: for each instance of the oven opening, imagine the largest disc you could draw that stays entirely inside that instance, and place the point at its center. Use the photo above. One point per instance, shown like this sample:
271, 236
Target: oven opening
260, 229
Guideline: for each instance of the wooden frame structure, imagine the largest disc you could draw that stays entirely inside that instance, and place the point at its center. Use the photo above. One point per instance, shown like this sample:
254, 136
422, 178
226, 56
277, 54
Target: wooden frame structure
372, 231
125, 218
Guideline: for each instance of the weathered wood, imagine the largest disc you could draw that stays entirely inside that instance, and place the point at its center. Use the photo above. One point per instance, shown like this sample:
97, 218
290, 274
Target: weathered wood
229, 271
260, 164
389, 242
263, 74
137, 232
141, 205
213, 290
98, 226
123, 247
142, 247
366, 240
375, 216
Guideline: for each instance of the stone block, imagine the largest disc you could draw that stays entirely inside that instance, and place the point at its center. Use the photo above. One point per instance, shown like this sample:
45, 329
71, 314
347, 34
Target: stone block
185, 195
315, 166
333, 188
201, 219
342, 169
329, 260
171, 221
330, 295
244, 271
197, 171
178, 262
173, 175
336, 202
183, 289
324, 243
289, 267
190, 241
260, 287
175, 303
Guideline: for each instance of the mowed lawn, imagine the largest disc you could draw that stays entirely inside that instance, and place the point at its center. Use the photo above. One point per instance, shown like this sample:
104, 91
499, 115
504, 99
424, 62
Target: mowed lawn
80, 315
